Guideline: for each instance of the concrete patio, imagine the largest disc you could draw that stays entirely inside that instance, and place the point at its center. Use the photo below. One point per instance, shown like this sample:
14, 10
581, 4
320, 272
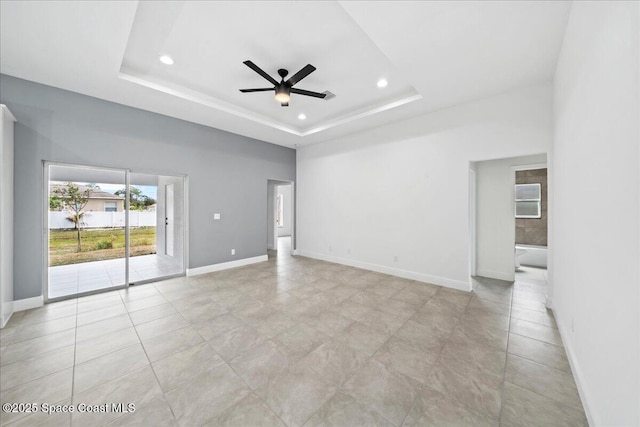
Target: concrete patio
90, 276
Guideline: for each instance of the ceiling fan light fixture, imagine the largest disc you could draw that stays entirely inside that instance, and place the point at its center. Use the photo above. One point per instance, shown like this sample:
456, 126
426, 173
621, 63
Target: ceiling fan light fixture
282, 96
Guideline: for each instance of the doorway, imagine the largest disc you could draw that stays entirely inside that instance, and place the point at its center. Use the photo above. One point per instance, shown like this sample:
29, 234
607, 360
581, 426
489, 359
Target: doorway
280, 216
106, 229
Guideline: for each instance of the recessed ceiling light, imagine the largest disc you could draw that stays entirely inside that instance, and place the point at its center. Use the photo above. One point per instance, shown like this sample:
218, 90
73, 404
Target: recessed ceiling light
382, 83
166, 59
302, 116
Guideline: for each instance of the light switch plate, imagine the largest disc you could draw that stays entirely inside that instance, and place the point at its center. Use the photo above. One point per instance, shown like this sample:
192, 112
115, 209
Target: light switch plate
216, 216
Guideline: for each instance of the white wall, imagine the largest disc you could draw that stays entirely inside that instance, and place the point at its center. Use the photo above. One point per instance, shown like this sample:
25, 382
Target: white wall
402, 190
496, 216
595, 252
285, 190
6, 214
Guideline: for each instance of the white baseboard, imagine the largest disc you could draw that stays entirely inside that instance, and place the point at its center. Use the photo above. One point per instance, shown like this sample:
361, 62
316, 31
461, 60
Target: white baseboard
405, 274
575, 369
499, 275
225, 265
28, 303
5, 319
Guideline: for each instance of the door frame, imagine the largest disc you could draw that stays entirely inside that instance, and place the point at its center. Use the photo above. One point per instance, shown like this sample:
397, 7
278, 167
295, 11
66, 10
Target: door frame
279, 182
127, 172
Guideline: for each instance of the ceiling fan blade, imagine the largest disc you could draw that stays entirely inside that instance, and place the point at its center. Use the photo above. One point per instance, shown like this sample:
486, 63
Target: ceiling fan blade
260, 71
306, 70
284, 104
262, 89
308, 93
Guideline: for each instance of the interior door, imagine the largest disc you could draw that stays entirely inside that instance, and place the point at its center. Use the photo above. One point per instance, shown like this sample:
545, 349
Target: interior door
169, 220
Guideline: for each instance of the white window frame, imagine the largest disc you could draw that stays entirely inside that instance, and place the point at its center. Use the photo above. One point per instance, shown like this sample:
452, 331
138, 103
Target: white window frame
538, 200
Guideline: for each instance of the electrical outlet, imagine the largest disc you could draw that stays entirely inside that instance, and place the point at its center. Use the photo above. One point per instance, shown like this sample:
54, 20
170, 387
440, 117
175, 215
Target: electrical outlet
233, 251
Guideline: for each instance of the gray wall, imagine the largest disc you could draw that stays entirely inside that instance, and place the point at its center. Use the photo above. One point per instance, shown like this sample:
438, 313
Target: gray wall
227, 172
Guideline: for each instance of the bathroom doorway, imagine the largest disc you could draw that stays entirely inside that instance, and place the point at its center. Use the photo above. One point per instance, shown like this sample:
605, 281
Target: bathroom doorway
494, 234
280, 216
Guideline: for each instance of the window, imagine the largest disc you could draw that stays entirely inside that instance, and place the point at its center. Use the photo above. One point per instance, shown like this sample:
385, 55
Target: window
111, 206
279, 212
528, 200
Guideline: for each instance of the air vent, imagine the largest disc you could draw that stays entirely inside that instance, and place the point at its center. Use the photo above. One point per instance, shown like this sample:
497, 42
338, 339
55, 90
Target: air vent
329, 95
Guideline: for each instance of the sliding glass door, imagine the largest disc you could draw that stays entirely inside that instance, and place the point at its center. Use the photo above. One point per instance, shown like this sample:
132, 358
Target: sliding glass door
156, 250
110, 228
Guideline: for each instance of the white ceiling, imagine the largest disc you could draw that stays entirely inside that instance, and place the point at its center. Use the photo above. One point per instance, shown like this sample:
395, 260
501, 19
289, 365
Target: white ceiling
434, 55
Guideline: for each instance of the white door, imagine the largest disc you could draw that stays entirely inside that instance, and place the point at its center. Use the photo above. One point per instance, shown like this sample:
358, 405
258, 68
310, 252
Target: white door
169, 219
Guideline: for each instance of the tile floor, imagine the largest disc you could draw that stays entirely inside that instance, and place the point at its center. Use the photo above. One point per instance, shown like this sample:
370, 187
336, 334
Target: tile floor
295, 341
90, 276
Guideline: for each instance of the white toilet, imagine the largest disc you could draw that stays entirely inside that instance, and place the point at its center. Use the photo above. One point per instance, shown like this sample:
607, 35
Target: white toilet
518, 252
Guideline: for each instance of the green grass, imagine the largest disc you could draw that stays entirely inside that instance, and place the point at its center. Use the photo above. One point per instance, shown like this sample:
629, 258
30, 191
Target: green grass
63, 244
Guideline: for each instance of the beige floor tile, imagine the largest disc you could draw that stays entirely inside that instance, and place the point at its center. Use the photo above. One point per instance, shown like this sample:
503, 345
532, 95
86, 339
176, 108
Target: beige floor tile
48, 312
398, 308
186, 365
328, 322
170, 343
382, 321
441, 323
36, 346
362, 338
536, 331
106, 368
539, 351
138, 387
218, 326
156, 413
482, 392
480, 334
27, 332
525, 408
144, 303
250, 411
299, 340
50, 388
350, 309
98, 314
432, 408
294, 396
544, 318
236, 342
26, 370
99, 346
44, 419
206, 396
160, 326
344, 410
385, 391
258, 365
549, 382
333, 361
428, 339
103, 327
406, 358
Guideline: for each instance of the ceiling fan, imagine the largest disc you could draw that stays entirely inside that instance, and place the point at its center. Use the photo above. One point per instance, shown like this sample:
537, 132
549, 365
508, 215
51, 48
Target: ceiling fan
284, 89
